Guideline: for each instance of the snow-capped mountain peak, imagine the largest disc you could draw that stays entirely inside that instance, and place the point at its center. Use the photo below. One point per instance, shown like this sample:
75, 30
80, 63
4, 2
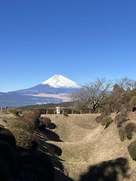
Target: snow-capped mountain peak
59, 81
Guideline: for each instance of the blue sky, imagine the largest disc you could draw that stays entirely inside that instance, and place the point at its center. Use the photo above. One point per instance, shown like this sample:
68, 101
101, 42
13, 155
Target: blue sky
80, 39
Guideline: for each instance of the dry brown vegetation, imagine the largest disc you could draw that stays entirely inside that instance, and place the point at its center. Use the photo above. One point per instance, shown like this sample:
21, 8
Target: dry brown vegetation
106, 96
85, 142
21, 130
90, 146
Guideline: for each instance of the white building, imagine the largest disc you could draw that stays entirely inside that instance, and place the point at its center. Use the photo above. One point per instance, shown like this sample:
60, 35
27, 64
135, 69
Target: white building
58, 110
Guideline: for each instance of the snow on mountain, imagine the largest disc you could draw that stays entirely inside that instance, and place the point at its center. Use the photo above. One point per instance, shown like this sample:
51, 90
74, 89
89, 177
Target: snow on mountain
54, 90
59, 81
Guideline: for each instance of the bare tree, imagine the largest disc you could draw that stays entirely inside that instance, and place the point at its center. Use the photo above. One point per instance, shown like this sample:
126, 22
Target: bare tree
92, 95
127, 84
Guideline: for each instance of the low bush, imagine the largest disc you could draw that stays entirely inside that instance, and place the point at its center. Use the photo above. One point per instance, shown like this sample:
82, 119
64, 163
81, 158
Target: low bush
14, 112
122, 134
65, 114
121, 118
106, 121
44, 122
32, 116
132, 150
130, 128
100, 118
132, 103
22, 131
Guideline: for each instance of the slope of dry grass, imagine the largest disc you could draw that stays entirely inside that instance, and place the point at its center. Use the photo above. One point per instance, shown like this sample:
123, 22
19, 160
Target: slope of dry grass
86, 143
21, 130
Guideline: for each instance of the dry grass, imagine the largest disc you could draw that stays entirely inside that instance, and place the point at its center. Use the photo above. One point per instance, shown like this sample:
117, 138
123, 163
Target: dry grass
85, 142
21, 130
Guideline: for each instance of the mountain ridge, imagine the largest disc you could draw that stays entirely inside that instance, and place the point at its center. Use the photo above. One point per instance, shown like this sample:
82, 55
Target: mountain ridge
58, 81
56, 89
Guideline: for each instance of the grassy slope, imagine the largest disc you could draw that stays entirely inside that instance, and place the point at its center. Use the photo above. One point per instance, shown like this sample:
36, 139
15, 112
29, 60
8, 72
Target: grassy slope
86, 143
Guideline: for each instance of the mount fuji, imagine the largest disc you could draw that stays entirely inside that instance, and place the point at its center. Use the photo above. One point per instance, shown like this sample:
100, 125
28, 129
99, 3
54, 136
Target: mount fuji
56, 89
59, 81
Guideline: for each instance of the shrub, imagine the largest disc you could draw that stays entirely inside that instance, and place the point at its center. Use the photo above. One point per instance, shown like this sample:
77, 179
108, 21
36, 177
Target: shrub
22, 131
133, 102
130, 129
123, 110
132, 150
120, 118
45, 122
14, 112
107, 105
122, 134
65, 114
100, 118
32, 116
106, 121
23, 138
